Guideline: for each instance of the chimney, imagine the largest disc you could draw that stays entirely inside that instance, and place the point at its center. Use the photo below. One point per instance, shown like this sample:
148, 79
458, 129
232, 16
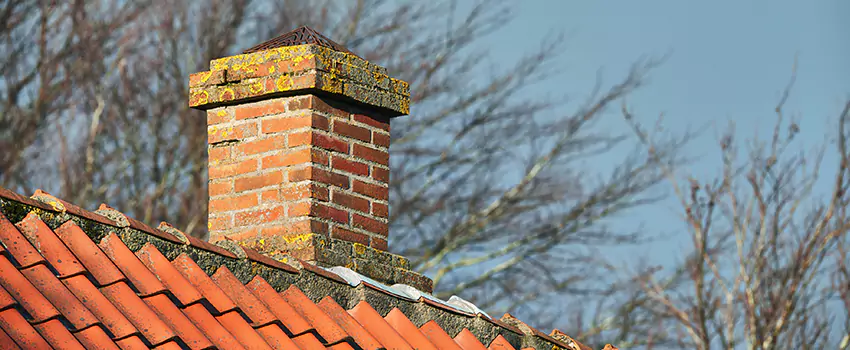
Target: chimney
299, 131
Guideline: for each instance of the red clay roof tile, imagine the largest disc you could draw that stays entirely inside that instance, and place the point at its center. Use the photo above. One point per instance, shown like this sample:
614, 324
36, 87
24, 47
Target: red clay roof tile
214, 331
308, 341
438, 336
142, 279
57, 335
39, 308
380, 329
396, 319
275, 337
203, 283
468, 341
244, 333
14, 324
131, 343
500, 343
100, 306
17, 245
278, 306
57, 294
247, 302
185, 328
95, 338
6, 341
159, 265
50, 246
324, 325
6, 300
87, 252
140, 315
360, 335
59, 288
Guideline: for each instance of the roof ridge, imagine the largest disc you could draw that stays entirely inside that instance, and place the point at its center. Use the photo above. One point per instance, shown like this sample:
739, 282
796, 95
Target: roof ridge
343, 285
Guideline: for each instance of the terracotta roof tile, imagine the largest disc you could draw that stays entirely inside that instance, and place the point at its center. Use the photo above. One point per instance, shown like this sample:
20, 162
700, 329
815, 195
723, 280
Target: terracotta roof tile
401, 324
159, 265
142, 279
380, 329
17, 245
95, 338
438, 336
61, 288
14, 324
57, 335
131, 343
500, 343
468, 341
57, 294
278, 306
324, 325
247, 302
100, 306
140, 315
360, 335
208, 324
244, 333
185, 328
35, 303
6, 300
50, 246
95, 261
204, 284
6, 342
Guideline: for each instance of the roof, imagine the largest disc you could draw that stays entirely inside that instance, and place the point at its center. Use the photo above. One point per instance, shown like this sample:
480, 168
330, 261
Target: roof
299, 36
83, 279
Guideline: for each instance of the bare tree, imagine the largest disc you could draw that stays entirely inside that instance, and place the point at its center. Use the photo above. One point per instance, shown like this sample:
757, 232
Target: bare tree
492, 189
768, 266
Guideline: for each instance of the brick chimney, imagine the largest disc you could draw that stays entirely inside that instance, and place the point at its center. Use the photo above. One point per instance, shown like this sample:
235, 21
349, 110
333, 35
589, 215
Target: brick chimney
299, 131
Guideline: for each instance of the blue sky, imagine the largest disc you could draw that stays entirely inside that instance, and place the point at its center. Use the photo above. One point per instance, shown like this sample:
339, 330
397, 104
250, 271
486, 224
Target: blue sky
729, 61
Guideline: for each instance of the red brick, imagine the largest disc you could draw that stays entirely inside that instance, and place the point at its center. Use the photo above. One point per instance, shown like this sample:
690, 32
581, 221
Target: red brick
349, 201
369, 224
227, 170
318, 104
259, 181
259, 216
272, 143
318, 140
278, 124
380, 124
349, 236
206, 78
381, 139
260, 109
220, 188
349, 166
219, 223
317, 210
371, 154
381, 174
239, 202
219, 116
219, 154
294, 227
379, 243
370, 190
270, 196
326, 212
218, 133
282, 159
304, 191
319, 175
380, 210
352, 131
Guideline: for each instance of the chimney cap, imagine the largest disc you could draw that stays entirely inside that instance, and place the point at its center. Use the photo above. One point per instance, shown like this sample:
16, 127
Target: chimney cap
300, 36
